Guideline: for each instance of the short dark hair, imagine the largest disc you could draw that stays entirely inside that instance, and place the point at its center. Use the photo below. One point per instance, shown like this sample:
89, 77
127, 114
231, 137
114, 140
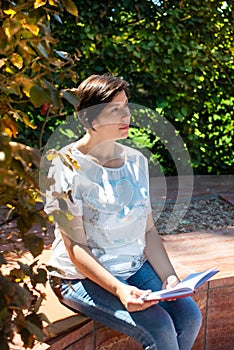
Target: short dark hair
97, 90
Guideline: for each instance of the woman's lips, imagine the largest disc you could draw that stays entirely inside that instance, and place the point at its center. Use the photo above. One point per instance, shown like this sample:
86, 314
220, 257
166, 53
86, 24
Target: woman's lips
124, 127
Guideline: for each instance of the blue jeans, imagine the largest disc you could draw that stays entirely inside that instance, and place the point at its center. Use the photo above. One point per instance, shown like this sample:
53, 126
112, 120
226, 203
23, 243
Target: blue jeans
172, 325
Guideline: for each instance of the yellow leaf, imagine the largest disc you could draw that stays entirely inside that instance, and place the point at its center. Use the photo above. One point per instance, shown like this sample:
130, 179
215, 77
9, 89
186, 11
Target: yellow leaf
10, 70
10, 12
32, 28
8, 131
7, 31
50, 218
38, 198
15, 115
53, 3
26, 120
39, 3
17, 60
10, 127
27, 84
70, 216
51, 154
26, 48
2, 62
10, 206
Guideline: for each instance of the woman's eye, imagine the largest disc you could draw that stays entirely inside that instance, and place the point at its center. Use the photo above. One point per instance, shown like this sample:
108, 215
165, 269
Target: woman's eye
120, 107
114, 110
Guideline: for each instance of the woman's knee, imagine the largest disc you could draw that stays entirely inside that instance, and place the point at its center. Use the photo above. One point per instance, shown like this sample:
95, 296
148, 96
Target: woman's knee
197, 319
157, 329
186, 314
194, 316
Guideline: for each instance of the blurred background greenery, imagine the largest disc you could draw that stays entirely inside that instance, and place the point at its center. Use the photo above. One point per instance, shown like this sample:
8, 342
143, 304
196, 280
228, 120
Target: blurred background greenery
176, 55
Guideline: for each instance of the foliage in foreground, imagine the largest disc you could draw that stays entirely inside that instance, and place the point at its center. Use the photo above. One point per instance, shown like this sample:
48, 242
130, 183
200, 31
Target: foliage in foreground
30, 70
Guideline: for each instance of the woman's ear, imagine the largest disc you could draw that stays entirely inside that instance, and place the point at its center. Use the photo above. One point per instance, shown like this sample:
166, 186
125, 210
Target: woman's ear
93, 125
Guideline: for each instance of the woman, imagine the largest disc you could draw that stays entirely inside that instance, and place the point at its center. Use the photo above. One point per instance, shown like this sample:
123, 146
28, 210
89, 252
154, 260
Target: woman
107, 254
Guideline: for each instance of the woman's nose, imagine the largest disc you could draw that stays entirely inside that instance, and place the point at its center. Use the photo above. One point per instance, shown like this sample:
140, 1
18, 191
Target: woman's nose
125, 112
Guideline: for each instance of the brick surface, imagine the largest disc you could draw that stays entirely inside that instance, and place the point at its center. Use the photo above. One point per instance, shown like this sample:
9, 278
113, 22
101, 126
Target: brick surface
220, 319
201, 300
122, 342
80, 338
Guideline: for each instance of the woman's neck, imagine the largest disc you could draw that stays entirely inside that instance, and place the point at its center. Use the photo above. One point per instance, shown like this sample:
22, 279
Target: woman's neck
105, 153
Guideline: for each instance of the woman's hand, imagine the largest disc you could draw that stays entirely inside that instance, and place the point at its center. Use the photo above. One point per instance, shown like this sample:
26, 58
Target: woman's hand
170, 282
130, 297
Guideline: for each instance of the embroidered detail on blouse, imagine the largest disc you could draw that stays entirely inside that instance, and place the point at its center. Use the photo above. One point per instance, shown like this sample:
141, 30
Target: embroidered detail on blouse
114, 203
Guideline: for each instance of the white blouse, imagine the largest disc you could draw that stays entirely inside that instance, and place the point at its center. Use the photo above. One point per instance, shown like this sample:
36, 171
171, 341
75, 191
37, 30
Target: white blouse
113, 202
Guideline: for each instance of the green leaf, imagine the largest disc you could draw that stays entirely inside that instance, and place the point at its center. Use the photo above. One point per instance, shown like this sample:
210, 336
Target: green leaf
4, 344
25, 119
20, 296
40, 277
19, 167
27, 337
34, 244
12, 89
33, 318
44, 318
63, 54
184, 110
35, 330
55, 99
4, 313
38, 303
27, 269
70, 7
42, 50
39, 96
2, 260
17, 274
58, 18
3, 40
63, 220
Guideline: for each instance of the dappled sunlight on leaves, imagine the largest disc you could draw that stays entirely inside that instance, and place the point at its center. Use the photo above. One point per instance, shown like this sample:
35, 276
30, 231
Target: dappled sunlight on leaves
27, 75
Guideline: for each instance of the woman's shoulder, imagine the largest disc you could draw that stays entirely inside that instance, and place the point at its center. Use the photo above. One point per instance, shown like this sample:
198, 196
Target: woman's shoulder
132, 153
65, 149
65, 159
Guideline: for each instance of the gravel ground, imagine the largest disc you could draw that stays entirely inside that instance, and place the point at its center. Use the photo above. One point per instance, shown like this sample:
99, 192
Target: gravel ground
204, 214
200, 215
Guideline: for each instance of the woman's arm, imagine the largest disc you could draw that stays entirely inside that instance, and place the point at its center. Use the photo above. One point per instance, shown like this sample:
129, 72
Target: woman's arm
82, 257
156, 253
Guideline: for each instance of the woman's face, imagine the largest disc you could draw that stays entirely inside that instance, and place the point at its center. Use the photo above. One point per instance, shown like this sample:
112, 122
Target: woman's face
114, 120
